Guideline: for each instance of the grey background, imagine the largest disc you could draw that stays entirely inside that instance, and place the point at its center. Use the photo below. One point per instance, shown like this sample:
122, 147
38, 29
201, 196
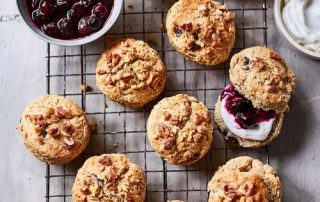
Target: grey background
295, 154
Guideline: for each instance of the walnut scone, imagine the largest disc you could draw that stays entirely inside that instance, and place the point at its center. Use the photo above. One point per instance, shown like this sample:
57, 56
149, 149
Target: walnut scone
131, 73
250, 111
55, 129
245, 179
109, 177
237, 186
201, 30
180, 129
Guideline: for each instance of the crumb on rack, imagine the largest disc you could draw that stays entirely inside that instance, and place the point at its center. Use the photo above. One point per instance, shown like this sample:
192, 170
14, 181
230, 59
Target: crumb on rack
93, 126
115, 145
151, 39
130, 5
163, 27
85, 88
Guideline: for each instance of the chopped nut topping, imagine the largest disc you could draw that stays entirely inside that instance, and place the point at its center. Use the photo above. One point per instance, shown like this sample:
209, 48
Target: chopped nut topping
275, 56
85, 88
203, 9
167, 116
67, 127
115, 59
258, 63
62, 113
38, 120
168, 143
48, 112
163, 130
85, 191
113, 175
174, 120
246, 188
186, 27
202, 129
105, 160
53, 119
198, 119
69, 142
53, 132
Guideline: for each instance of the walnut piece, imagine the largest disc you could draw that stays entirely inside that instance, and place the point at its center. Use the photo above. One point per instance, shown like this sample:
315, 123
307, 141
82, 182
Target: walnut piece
105, 160
53, 132
69, 142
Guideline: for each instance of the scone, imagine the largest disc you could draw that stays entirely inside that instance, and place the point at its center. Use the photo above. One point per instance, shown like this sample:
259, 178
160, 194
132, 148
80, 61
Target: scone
245, 179
250, 111
131, 73
180, 129
201, 30
109, 177
55, 129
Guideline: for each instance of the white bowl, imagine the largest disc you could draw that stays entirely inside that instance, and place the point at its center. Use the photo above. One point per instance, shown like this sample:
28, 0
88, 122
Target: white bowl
278, 5
70, 42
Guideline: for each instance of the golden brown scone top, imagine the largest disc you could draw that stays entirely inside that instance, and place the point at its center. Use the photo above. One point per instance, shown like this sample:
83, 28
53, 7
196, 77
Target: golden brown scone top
109, 177
201, 30
238, 187
263, 77
180, 129
266, 173
131, 73
54, 129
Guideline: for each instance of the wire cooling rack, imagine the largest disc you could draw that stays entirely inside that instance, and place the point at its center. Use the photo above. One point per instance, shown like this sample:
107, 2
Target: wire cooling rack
122, 129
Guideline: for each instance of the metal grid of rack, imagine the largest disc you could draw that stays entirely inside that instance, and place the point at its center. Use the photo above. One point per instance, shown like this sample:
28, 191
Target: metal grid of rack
122, 129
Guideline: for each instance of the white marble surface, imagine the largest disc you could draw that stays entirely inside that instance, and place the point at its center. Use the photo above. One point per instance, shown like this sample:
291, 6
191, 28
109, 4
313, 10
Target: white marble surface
295, 153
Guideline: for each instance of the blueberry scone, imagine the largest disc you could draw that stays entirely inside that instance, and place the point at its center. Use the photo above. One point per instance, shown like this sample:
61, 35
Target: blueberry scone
250, 111
201, 30
109, 177
131, 73
180, 129
245, 179
54, 129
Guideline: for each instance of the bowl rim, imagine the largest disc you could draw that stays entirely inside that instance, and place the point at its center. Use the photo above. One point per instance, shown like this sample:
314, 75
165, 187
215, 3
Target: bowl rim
283, 30
117, 7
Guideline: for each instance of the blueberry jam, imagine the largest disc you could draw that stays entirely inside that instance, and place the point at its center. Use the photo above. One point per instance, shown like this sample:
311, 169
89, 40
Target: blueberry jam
242, 109
69, 19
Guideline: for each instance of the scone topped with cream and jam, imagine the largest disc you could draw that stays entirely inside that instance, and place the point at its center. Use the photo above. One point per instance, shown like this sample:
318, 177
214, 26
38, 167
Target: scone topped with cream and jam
250, 110
201, 30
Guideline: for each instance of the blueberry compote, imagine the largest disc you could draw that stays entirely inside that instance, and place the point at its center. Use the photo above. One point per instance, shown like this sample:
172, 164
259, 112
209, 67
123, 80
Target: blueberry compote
242, 109
69, 19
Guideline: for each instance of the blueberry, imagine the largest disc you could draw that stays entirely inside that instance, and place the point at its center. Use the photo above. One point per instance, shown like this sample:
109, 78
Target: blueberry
195, 46
95, 22
83, 26
177, 30
47, 7
236, 104
246, 61
100, 11
88, 3
43, 133
246, 119
66, 27
37, 16
50, 29
76, 12
63, 4
35, 4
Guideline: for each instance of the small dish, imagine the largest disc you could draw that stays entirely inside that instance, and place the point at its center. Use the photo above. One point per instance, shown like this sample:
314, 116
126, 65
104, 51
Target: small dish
115, 12
278, 5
